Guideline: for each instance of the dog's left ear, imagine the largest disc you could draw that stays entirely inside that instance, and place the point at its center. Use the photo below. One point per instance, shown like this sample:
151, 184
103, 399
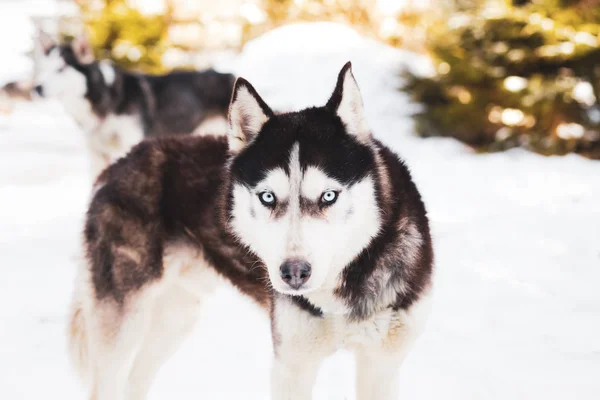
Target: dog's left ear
247, 114
44, 41
346, 102
83, 50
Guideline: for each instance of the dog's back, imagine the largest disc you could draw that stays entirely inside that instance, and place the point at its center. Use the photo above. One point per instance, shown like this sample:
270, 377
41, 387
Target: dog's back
166, 192
183, 100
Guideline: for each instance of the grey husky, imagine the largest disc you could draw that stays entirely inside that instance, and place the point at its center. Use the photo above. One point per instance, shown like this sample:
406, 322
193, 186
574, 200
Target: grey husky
304, 212
117, 109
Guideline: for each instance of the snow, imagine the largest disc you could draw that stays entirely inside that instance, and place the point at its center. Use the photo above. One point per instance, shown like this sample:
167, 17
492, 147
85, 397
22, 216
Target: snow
517, 308
17, 32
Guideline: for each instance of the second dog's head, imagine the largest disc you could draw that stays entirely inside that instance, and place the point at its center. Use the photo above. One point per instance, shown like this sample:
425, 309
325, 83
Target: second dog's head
70, 74
304, 193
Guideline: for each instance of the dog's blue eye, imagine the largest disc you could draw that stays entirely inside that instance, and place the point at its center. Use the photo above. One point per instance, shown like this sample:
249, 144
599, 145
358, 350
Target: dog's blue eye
329, 197
267, 198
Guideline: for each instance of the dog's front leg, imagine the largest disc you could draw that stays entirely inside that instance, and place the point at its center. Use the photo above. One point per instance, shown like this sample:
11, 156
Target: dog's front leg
301, 341
293, 376
377, 374
378, 363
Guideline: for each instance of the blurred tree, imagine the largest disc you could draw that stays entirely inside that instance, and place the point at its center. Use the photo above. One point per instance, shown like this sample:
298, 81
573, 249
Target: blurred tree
361, 14
169, 36
520, 73
121, 32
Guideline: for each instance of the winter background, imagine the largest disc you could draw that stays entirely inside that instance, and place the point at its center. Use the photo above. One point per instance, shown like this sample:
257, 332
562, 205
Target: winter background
517, 240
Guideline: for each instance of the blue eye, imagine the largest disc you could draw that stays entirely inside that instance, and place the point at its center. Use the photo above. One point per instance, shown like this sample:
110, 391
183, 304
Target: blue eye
329, 197
267, 198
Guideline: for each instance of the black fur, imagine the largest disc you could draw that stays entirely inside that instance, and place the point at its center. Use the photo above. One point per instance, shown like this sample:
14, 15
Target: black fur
306, 305
323, 142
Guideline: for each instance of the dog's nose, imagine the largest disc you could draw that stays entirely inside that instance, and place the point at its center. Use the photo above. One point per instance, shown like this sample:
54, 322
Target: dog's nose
39, 90
295, 273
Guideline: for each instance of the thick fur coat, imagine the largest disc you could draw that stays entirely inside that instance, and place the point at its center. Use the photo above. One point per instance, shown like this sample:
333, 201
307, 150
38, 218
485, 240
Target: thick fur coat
304, 212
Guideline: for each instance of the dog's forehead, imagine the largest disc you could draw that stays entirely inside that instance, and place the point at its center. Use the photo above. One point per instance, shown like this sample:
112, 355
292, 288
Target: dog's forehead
276, 180
321, 142
315, 181
295, 180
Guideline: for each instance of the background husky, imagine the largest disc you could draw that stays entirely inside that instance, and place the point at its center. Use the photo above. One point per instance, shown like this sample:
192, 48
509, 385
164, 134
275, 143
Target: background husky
304, 212
117, 109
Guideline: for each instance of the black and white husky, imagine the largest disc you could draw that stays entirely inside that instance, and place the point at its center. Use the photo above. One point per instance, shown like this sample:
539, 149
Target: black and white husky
304, 212
117, 109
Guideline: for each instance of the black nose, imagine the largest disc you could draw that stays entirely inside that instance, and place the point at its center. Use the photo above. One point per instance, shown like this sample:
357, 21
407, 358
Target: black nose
39, 90
295, 273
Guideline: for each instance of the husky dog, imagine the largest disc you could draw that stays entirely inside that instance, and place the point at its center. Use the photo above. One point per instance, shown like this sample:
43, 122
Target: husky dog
117, 109
304, 212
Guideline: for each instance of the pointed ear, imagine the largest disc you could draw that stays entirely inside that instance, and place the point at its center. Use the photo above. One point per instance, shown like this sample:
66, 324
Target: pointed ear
247, 114
346, 102
83, 50
44, 41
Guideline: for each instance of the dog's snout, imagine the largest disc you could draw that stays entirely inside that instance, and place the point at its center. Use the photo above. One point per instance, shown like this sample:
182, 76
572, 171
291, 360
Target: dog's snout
295, 273
39, 89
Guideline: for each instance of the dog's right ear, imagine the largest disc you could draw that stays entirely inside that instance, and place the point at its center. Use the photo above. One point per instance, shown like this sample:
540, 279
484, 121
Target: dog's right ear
83, 50
347, 103
44, 42
247, 114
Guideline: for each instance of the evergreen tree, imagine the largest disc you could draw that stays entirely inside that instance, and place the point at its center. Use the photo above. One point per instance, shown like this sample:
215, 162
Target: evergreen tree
520, 73
122, 33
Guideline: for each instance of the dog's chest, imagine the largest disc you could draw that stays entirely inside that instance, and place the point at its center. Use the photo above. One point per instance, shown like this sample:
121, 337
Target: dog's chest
327, 302
348, 333
372, 331
81, 110
115, 136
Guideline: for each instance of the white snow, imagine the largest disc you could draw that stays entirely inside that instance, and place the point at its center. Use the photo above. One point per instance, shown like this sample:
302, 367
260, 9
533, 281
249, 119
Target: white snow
517, 239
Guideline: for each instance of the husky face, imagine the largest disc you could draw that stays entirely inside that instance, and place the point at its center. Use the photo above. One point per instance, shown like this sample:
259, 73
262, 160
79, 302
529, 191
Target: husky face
304, 195
59, 79
70, 74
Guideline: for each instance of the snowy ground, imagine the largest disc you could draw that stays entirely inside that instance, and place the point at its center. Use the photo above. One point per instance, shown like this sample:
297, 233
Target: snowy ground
517, 238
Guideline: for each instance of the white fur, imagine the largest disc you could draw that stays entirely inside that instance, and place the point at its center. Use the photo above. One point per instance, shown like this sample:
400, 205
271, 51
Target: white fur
278, 182
314, 182
294, 247
302, 343
328, 243
69, 87
108, 72
43, 42
119, 351
81, 110
112, 139
213, 125
246, 118
351, 110
64, 83
378, 364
